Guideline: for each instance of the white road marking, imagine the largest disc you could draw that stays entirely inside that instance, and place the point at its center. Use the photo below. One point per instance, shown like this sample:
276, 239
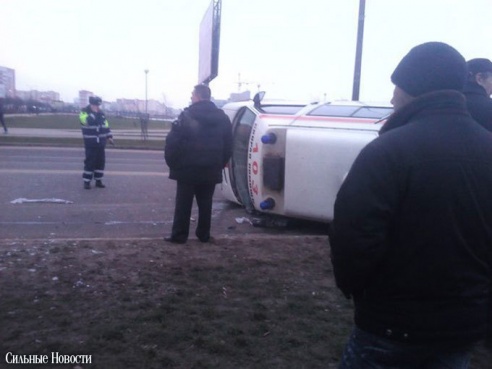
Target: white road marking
106, 172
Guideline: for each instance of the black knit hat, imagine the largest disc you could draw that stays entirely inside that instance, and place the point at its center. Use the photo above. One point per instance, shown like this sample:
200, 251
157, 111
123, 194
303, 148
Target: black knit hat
479, 65
429, 67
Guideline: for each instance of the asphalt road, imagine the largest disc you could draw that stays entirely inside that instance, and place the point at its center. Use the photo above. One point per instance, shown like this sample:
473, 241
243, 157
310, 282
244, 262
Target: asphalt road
42, 197
137, 203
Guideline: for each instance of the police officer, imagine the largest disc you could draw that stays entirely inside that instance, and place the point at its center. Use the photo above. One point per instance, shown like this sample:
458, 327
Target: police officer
95, 130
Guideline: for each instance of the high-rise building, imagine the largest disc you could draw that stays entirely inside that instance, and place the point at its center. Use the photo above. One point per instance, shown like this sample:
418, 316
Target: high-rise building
84, 98
7, 82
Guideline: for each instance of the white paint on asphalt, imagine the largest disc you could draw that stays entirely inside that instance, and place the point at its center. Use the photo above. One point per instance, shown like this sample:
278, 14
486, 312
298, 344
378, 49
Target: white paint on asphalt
23, 200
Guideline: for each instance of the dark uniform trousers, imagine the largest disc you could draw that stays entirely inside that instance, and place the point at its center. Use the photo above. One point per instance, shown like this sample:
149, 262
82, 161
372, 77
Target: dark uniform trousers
95, 160
185, 193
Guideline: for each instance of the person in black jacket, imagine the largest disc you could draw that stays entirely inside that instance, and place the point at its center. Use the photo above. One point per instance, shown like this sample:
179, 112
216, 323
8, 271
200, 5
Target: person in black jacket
478, 89
96, 132
412, 233
5, 130
197, 149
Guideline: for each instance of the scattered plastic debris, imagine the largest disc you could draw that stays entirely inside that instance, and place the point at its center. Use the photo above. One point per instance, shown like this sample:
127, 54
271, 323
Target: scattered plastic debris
243, 219
23, 200
80, 283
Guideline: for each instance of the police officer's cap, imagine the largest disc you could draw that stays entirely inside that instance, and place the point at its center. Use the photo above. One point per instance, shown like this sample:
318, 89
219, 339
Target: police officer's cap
95, 100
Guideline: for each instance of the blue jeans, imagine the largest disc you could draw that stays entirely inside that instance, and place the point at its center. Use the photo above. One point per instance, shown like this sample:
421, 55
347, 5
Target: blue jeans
368, 351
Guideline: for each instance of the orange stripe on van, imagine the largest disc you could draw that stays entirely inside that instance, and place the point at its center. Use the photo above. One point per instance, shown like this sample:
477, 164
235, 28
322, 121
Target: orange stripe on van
319, 118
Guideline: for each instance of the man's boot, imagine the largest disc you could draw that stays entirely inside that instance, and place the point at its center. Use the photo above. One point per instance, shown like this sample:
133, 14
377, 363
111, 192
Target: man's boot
100, 184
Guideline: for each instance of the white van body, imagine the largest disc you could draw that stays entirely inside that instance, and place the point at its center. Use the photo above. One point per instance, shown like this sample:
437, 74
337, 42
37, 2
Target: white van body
291, 159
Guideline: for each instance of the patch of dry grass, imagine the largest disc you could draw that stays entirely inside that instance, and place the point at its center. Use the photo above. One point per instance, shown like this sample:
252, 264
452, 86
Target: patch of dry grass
239, 303
235, 304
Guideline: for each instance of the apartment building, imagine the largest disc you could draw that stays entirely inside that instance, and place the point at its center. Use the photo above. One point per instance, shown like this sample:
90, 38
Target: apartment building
7, 82
43, 96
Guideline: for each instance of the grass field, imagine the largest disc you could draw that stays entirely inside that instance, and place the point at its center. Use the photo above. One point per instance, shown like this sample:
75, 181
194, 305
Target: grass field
71, 121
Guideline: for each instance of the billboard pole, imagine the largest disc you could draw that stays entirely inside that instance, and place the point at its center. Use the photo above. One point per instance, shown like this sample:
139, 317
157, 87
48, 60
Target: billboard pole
358, 52
216, 36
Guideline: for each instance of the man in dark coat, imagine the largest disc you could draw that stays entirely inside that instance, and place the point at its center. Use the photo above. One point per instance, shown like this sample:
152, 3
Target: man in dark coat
197, 149
478, 89
412, 231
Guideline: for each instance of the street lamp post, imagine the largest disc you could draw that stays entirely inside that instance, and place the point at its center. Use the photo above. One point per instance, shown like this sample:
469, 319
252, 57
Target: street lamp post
144, 121
146, 101
358, 51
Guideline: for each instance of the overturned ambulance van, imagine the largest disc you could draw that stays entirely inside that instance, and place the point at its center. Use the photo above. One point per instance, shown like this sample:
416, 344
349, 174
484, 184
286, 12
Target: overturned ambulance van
290, 159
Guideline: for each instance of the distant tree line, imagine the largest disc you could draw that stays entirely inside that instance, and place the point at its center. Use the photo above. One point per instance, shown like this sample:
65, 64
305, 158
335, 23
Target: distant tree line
16, 105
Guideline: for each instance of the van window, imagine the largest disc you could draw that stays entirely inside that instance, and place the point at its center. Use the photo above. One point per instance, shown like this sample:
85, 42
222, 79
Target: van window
373, 112
334, 111
282, 109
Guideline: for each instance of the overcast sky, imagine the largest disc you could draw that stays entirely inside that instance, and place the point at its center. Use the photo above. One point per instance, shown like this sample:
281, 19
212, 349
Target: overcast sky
292, 49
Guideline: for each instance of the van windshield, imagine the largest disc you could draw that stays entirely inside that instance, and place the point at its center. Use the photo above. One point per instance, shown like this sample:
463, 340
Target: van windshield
371, 112
282, 109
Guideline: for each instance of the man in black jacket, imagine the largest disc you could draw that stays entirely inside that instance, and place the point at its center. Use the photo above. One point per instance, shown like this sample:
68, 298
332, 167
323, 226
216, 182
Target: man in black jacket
197, 149
412, 231
5, 130
478, 89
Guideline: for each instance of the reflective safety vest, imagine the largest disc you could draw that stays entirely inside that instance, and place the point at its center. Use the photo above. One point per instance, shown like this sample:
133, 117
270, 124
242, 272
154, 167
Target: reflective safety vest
95, 127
